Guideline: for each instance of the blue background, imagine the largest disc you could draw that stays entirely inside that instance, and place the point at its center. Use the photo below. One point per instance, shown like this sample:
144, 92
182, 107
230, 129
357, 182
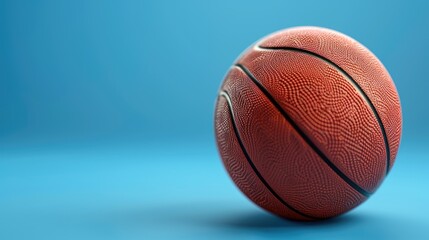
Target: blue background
106, 118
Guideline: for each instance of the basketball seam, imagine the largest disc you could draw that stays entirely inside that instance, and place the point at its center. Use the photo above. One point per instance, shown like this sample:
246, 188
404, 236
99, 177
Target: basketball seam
252, 165
354, 84
343, 176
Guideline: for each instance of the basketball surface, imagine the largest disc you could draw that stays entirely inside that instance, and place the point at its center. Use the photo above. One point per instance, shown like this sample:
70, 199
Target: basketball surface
308, 123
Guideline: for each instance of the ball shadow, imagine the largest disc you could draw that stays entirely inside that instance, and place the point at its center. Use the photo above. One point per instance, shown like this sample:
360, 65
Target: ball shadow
228, 220
263, 220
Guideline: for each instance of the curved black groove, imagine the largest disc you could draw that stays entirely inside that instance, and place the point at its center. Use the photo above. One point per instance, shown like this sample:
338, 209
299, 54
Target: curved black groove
355, 85
302, 134
231, 111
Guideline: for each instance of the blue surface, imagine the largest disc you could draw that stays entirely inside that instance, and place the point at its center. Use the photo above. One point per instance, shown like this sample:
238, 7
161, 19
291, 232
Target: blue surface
133, 192
106, 118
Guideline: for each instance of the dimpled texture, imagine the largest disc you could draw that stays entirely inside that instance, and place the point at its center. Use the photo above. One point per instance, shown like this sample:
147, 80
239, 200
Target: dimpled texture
240, 170
271, 141
279, 161
361, 64
327, 108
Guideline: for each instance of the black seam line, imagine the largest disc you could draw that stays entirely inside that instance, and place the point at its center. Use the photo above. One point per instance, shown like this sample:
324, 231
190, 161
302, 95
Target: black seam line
302, 134
228, 100
355, 85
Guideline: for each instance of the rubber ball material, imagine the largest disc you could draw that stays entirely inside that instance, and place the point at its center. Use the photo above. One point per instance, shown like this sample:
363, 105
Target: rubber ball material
308, 123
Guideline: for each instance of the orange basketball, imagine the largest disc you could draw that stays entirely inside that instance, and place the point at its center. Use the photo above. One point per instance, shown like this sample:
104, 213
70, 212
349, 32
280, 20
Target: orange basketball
308, 123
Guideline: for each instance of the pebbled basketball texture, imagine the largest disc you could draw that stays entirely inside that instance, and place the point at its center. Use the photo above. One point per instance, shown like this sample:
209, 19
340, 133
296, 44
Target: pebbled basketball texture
308, 123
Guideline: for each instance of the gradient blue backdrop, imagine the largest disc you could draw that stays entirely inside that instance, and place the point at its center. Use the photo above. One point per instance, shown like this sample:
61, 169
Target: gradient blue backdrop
106, 117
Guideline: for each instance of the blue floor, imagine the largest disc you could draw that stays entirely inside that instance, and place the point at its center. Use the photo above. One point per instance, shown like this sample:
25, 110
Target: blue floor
142, 191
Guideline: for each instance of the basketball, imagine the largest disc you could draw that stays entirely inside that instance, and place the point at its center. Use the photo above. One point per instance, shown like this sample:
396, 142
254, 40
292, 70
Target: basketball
308, 123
